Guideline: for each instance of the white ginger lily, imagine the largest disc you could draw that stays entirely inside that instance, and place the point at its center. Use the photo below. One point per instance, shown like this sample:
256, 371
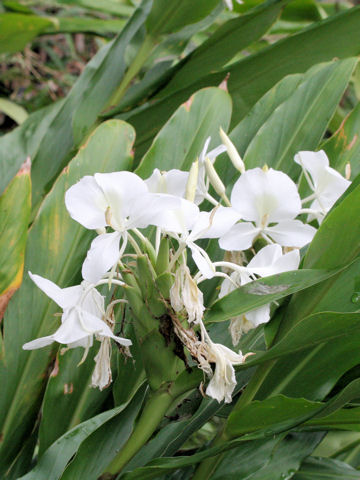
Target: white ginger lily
82, 318
223, 381
268, 261
270, 199
120, 200
326, 183
186, 295
195, 225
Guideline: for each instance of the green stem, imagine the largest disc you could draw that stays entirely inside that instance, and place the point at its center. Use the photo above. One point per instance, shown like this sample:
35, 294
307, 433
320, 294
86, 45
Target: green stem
154, 411
209, 465
134, 68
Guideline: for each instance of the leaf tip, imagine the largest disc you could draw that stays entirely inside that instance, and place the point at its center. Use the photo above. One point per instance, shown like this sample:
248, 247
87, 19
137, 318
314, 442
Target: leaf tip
25, 167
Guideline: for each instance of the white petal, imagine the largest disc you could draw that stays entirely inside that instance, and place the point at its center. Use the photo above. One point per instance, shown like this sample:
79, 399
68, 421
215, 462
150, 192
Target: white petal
239, 237
103, 254
202, 261
265, 257
39, 343
314, 162
64, 297
172, 182
270, 194
154, 209
270, 261
291, 233
259, 315
86, 203
214, 224
120, 190
179, 219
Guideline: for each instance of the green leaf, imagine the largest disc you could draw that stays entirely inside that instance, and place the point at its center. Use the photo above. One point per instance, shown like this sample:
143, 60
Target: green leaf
344, 146
229, 39
168, 17
67, 122
15, 205
329, 249
12, 110
311, 331
325, 469
271, 459
55, 249
68, 393
53, 462
182, 138
263, 291
97, 451
16, 30
83, 24
253, 76
113, 7
301, 120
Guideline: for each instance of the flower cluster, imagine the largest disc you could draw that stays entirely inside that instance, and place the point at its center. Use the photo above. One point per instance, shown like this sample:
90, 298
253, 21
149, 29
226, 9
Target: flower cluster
260, 228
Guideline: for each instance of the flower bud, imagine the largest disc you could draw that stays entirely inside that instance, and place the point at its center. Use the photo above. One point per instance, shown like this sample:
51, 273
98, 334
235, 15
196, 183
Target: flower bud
192, 182
232, 152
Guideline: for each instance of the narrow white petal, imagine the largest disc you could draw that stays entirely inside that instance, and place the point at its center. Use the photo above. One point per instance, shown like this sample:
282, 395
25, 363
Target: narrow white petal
103, 254
202, 261
64, 297
39, 343
291, 233
239, 237
214, 224
86, 203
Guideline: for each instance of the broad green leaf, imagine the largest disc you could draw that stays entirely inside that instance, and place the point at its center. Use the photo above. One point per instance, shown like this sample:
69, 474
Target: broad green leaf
83, 24
55, 249
344, 146
68, 393
168, 17
329, 249
229, 39
16, 30
280, 411
15, 205
113, 7
99, 448
182, 138
263, 291
325, 469
53, 462
12, 110
253, 76
52, 133
301, 120
272, 459
311, 331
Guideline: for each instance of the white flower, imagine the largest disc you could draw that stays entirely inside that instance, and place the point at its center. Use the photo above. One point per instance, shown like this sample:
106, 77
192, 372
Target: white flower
268, 261
172, 182
102, 376
120, 200
82, 318
185, 294
326, 183
195, 225
268, 198
223, 381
